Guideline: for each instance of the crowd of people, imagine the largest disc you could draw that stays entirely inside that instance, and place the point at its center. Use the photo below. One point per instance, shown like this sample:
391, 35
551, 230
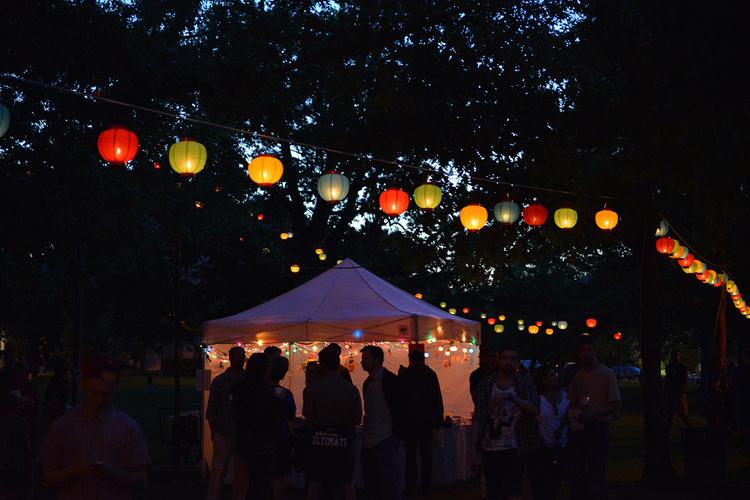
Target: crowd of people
521, 425
549, 425
253, 425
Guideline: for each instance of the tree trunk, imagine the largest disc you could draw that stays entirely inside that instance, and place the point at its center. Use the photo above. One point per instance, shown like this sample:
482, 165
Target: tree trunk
657, 465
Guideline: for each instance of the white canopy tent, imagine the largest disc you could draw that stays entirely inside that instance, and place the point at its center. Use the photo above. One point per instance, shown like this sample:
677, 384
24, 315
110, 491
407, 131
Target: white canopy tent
351, 306
345, 303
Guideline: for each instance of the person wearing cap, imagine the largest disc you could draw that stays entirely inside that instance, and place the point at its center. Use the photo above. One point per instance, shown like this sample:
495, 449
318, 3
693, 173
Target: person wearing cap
94, 451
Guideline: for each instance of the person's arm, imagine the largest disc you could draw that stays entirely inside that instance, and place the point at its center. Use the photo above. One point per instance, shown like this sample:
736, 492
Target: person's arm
527, 399
212, 407
439, 408
54, 478
308, 406
357, 409
129, 478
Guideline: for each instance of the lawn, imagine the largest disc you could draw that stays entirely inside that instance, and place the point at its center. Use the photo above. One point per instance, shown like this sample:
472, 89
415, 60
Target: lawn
623, 473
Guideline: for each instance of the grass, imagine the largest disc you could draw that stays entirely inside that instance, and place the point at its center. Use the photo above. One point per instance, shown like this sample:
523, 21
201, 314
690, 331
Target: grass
625, 461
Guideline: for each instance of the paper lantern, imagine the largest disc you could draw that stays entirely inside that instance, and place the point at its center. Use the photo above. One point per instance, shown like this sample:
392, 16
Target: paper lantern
679, 253
591, 322
117, 145
606, 219
701, 276
665, 245
617, 336
731, 287
443, 304
710, 277
265, 170
465, 310
566, 218
663, 228
294, 268
535, 214
418, 295
521, 327
333, 187
499, 328
686, 261
4, 120
520, 322
533, 329
394, 201
676, 249
322, 256
501, 317
491, 321
549, 331
187, 157
483, 315
539, 323
507, 212
562, 325
473, 217
428, 196
452, 310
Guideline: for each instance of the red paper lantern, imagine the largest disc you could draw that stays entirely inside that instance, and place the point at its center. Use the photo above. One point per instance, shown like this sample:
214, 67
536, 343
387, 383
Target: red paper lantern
617, 336
535, 214
539, 323
591, 323
117, 145
665, 245
466, 310
394, 201
490, 321
686, 261
701, 276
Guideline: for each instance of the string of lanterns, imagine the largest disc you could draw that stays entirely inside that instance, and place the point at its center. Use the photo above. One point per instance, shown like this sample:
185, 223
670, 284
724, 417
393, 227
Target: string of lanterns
679, 252
187, 157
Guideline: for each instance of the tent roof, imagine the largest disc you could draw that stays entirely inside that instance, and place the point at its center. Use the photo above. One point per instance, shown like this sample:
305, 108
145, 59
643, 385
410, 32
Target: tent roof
347, 302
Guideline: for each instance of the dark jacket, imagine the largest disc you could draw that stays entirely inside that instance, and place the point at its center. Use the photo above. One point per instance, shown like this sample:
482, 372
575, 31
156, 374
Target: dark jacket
392, 393
420, 392
257, 412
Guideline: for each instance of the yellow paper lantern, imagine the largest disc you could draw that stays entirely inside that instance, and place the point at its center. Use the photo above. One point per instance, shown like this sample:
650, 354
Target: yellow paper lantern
606, 219
265, 170
501, 317
473, 217
533, 329
566, 218
418, 295
499, 328
549, 331
452, 310
428, 196
318, 251
187, 157
294, 268
322, 256
443, 305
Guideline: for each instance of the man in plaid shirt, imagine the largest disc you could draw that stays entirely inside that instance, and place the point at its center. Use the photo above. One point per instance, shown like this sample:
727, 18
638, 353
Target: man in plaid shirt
506, 428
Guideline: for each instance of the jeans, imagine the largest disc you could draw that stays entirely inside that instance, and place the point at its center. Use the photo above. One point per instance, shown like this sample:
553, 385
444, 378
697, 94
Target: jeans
419, 438
381, 474
547, 467
588, 460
